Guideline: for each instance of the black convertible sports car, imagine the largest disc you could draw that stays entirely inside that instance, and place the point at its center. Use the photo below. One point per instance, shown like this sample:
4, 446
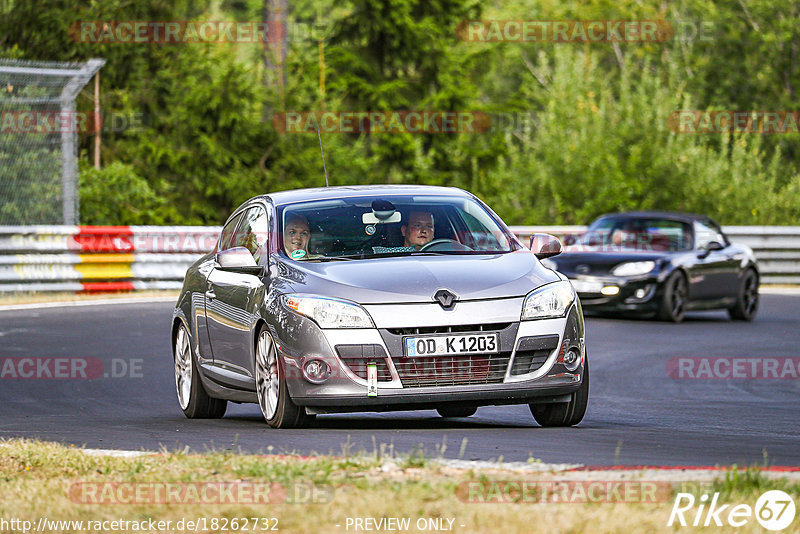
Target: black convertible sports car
659, 264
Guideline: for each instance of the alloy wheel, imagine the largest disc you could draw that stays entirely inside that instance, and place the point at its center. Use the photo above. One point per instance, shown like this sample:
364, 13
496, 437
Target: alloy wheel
750, 295
267, 381
183, 368
678, 296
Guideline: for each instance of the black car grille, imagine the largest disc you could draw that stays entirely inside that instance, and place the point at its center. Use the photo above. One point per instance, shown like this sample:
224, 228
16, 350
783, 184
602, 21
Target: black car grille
356, 358
359, 368
532, 353
452, 370
529, 361
448, 329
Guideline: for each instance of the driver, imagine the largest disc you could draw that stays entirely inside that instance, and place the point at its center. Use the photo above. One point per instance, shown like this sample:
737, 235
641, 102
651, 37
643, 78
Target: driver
296, 235
419, 229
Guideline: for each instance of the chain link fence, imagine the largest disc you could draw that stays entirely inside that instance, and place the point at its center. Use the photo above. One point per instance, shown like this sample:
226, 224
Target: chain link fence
39, 130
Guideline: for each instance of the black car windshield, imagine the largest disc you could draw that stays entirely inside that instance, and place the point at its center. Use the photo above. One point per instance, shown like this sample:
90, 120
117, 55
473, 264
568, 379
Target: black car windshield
390, 225
638, 233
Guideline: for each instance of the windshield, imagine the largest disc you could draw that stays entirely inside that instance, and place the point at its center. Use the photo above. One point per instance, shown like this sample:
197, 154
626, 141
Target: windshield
633, 233
379, 226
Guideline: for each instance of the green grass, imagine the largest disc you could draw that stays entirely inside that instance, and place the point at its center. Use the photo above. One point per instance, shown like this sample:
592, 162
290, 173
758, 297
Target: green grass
322, 491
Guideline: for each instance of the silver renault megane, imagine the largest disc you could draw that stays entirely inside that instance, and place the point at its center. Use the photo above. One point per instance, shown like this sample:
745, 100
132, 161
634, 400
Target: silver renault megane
376, 298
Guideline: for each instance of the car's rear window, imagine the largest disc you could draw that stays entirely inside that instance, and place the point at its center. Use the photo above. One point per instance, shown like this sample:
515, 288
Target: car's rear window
367, 227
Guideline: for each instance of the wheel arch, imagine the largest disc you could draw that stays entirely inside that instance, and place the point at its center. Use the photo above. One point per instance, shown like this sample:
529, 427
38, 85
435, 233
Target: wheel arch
177, 322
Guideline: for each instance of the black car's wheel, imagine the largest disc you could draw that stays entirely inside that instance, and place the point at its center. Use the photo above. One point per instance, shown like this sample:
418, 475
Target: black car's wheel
565, 413
675, 298
747, 298
192, 396
457, 411
273, 395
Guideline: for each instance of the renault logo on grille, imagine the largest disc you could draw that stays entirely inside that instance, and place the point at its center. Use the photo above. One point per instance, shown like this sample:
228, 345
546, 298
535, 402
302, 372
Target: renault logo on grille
445, 298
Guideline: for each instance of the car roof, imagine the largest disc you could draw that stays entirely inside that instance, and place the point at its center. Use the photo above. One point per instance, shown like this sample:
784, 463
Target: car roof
674, 215
326, 193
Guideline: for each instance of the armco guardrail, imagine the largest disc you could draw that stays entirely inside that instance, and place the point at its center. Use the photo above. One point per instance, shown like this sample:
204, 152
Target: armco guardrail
99, 258
119, 258
777, 248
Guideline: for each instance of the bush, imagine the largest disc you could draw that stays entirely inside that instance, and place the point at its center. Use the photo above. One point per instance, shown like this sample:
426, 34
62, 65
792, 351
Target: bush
116, 195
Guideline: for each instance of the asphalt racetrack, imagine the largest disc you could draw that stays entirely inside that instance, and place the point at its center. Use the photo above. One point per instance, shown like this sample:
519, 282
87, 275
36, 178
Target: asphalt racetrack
638, 414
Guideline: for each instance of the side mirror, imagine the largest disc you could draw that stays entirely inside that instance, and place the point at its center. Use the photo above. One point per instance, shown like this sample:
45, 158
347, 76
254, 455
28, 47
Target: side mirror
545, 245
710, 247
238, 260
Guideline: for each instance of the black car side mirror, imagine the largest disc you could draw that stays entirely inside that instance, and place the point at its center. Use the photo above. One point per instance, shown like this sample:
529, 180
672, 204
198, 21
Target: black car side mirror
238, 260
545, 245
710, 247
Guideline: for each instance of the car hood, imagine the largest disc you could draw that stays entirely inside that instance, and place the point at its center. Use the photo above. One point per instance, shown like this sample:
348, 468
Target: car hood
596, 262
417, 278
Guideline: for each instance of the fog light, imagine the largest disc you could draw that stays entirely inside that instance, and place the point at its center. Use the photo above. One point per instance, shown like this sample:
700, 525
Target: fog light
609, 291
316, 371
572, 359
640, 293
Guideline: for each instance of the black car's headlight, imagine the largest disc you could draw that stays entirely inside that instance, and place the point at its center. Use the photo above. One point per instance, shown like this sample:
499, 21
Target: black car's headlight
633, 268
330, 312
549, 301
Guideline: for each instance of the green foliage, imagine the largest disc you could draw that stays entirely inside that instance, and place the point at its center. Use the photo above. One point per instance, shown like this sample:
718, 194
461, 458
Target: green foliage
591, 134
117, 195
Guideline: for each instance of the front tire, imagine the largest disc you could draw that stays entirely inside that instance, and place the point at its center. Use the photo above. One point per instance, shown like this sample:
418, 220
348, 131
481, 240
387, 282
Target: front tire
457, 411
565, 413
273, 396
747, 298
192, 396
675, 298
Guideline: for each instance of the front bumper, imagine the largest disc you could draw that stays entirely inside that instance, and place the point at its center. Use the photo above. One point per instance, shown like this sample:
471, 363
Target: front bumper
346, 389
641, 295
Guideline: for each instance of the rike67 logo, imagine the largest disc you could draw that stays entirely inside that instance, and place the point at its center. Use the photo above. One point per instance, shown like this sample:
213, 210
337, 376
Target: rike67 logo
774, 510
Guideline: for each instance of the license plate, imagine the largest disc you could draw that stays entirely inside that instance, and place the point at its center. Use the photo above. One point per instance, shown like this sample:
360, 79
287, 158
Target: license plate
587, 286
452, 345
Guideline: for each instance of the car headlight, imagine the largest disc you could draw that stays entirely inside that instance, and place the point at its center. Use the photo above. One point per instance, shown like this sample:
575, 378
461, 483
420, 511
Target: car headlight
552, 300
633, 268
549, 264
330, 312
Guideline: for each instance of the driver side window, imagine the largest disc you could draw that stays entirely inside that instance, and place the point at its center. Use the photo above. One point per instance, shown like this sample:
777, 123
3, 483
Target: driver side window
228, 236
252, 233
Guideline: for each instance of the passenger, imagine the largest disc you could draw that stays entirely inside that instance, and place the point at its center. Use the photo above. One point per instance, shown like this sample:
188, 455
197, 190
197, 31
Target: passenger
419, 229
296, 235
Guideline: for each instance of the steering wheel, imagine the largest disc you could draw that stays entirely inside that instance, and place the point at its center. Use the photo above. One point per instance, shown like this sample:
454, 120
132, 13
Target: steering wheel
436, 244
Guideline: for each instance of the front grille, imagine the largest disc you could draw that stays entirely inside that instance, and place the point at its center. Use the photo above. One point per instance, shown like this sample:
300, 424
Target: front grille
452, 370
359, 367
529, 361
356, 358
532, 352
448, 329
